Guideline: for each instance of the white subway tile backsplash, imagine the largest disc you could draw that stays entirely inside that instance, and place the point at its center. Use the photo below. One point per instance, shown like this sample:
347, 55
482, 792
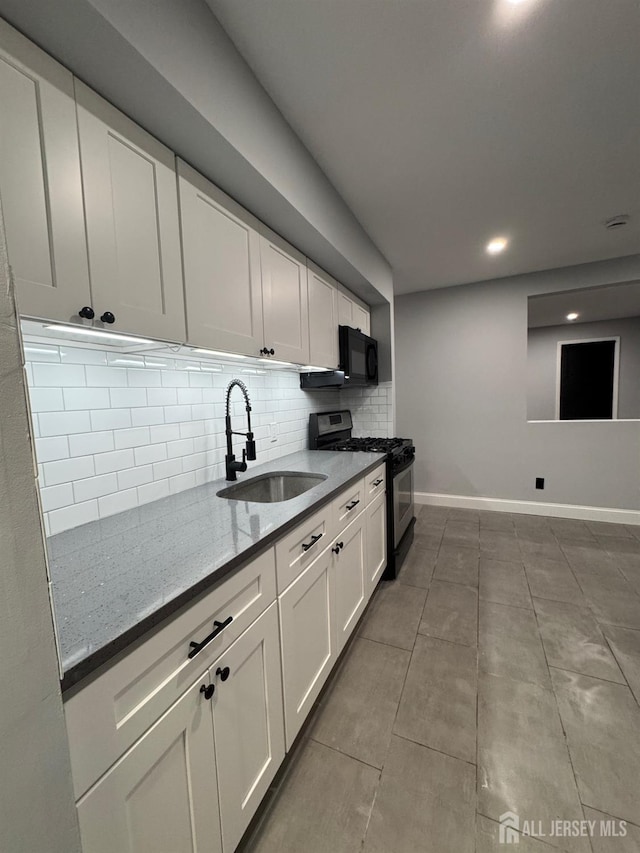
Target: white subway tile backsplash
58, 375
147, 416
41, 352
72, 516
170, 468
144, 378
87, 443
95, 487
153, 491
146, 426
86, 398
127, 398
150, 453
46, 399
68, 470
117, 460
63, 423
132, 437
111, 419
118, 502
135, 477
54, 497
106, 377
51, 449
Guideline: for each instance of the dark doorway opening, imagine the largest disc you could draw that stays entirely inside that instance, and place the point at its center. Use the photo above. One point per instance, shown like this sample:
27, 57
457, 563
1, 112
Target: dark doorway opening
587, 380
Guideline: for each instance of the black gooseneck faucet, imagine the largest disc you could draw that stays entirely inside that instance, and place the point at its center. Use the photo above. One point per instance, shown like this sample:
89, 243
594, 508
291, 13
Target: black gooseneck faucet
249, 453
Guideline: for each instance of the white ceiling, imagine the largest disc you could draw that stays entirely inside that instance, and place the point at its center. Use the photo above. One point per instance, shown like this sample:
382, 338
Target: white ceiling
591, 304
443, 123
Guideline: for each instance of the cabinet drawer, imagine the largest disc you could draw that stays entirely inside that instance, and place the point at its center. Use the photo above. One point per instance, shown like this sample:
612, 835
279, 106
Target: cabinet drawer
299, 548
375, 483
347, 505
106, 717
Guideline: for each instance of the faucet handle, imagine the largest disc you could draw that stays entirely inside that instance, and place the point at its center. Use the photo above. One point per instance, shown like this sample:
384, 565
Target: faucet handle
251, 447
242, 466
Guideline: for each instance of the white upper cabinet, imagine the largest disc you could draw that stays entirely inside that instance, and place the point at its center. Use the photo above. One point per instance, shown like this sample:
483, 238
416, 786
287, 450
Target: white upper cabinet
285, 300
360, 318
40, 181
323, 319
352, 314
131, 210
221, 268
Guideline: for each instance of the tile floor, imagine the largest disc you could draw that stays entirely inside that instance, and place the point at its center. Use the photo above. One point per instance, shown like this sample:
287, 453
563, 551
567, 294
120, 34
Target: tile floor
501, 671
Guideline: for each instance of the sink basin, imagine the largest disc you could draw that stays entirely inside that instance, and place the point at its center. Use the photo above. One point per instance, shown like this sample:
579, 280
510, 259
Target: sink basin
272, 488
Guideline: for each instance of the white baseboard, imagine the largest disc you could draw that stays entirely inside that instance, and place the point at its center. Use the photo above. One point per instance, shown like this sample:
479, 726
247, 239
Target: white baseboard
585, 513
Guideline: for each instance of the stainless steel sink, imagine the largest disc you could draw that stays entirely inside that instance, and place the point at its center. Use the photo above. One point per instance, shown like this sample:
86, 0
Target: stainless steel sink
272, 488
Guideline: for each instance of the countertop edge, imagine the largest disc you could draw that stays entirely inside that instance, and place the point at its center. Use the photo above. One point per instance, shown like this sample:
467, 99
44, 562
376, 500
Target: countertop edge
91, 667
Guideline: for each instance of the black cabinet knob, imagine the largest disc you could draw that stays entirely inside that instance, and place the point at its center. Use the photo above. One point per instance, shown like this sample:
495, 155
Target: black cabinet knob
223, 673
208, 690
87, 313
338, 547
108, 317
272, 351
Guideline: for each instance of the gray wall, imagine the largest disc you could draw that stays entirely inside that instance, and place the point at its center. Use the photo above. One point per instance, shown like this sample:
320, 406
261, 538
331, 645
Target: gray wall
37, 812
461, 368
542, 357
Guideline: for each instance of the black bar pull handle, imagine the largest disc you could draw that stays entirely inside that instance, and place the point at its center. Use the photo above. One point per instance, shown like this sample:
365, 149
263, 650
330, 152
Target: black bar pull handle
218, 627
377, 482
350, 506
314, 539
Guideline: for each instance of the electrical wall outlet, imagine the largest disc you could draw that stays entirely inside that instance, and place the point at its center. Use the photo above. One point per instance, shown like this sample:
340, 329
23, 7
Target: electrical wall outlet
539, 482
273, 432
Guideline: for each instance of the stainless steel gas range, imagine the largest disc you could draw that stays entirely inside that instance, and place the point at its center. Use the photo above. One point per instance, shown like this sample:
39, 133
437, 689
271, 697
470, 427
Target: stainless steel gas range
332, 431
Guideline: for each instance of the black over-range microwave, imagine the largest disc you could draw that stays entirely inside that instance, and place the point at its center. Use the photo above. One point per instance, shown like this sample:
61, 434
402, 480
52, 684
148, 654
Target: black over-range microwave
358, 363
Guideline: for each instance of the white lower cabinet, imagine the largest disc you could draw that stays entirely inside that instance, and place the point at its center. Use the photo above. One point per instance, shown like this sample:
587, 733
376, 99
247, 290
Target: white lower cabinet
376, 526
248, 723
309, 642
350, 596
162, 795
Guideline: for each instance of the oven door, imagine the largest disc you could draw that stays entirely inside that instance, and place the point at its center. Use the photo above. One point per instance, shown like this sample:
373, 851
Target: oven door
402, 502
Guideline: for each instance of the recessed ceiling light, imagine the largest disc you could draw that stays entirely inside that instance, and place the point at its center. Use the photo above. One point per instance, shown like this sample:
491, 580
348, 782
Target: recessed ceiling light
497, 245
572, 316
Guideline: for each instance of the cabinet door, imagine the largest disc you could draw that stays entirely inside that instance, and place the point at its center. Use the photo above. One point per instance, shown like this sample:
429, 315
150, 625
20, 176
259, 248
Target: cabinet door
307, 624
221, 250
40, 181
248, 723
376, 552
285, 301
161, 797
345, 310
360, 319
350, 596
131, 207
323, 324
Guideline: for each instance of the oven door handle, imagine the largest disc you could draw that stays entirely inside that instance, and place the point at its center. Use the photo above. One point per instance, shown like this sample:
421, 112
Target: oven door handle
404, 467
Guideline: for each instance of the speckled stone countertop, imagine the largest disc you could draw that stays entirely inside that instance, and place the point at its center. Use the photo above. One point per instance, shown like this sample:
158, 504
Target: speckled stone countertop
116, 578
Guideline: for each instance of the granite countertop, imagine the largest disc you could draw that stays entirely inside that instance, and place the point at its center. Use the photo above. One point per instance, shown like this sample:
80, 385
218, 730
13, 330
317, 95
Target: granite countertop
116, 578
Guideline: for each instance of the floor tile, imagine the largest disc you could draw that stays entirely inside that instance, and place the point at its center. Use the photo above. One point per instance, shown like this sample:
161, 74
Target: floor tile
427, 538
504, 583
625, 645
619, 545
438, 703
457, 565
435, 514
451, 613
356, 717
488, 839
602, 725
608, 528
510, 645
418, 566
629, 566
616, 608
551, 579
496, 521
464, 515
572, 640
323, 805
630, 843
425, 802
549, 550
461, 533
499, 544
394, 614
